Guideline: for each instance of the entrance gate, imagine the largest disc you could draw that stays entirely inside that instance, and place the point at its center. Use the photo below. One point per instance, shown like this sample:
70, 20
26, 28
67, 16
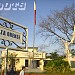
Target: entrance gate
12, 35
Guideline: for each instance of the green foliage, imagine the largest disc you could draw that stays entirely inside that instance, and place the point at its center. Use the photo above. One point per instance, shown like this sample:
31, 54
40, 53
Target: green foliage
57, 66
55, 56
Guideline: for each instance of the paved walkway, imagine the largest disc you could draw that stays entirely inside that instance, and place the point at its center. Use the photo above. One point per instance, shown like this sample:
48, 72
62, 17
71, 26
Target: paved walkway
34, 70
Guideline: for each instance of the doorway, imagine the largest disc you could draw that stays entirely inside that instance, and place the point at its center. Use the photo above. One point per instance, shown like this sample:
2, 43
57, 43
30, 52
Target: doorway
37, 62
26, 63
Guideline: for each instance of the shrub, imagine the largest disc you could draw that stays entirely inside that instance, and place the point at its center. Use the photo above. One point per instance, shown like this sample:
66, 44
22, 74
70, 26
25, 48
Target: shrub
59, 66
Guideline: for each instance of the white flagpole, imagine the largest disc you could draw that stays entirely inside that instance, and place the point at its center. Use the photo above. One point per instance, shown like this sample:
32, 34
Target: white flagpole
34, 30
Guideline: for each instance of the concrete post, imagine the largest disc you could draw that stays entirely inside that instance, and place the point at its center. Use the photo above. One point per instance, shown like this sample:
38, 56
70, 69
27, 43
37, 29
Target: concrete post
41, 64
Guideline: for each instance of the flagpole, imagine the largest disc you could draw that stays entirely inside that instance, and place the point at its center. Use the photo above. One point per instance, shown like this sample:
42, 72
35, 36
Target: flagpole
34, 30
33, 40
33, 44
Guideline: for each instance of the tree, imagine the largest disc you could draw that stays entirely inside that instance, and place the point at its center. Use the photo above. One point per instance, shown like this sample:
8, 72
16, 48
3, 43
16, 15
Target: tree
55, 56
57, 66
60, 24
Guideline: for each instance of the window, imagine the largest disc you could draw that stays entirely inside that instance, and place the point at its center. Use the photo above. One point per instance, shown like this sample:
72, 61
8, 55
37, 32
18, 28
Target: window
72, 64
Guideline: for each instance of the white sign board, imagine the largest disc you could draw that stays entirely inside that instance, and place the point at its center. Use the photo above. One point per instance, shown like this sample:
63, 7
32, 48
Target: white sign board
11, 35
37, 55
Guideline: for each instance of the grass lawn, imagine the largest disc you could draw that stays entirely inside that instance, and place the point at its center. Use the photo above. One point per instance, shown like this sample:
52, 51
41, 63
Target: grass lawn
46, 73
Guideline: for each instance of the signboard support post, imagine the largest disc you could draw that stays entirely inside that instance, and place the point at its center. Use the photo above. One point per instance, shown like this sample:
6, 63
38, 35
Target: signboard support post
6, 61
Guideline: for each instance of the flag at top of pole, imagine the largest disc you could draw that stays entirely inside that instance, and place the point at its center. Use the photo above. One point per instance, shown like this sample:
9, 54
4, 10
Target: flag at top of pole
34, 13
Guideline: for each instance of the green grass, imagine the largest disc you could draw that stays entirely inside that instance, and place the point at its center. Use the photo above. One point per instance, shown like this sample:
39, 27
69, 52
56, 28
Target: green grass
70, 73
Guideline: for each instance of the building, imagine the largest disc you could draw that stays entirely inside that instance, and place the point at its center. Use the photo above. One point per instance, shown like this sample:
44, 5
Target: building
26, 58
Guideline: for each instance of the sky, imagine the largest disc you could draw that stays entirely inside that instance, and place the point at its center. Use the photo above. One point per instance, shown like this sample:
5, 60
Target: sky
26, 17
